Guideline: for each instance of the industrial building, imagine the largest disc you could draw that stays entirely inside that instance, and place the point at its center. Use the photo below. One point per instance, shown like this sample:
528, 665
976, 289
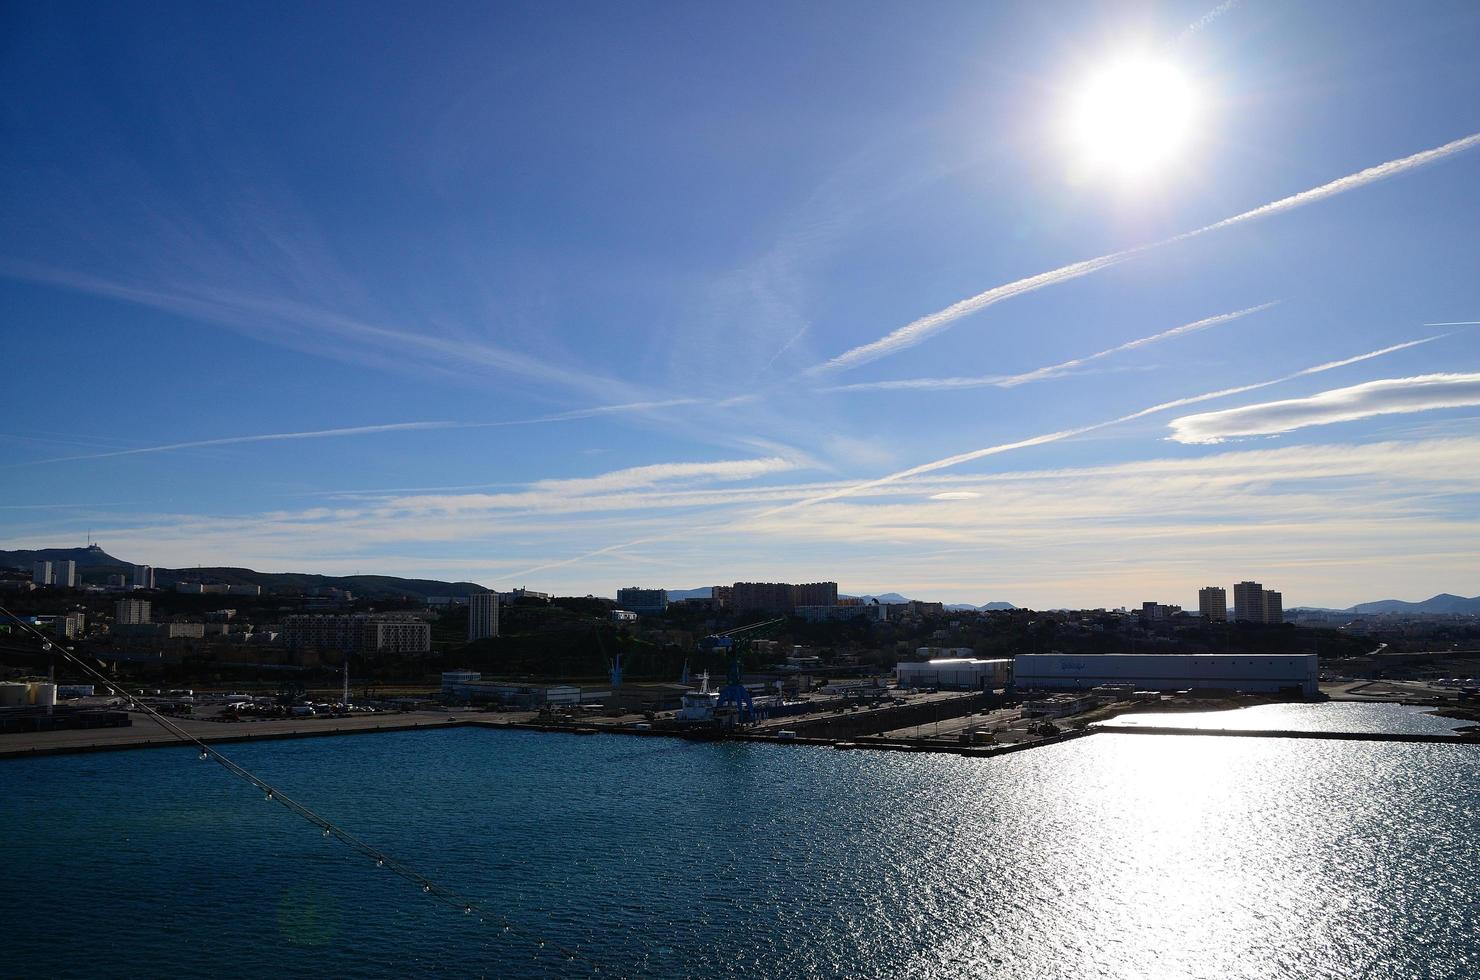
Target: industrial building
955, 673
1168, 672
470, 685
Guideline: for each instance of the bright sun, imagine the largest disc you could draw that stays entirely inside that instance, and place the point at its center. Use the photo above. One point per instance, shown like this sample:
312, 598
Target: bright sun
1133, 117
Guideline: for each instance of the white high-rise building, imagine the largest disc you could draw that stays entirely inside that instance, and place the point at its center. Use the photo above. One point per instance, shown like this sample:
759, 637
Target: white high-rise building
64, 574
143, 576
482, 615
1212, 603
132, 612
41, 573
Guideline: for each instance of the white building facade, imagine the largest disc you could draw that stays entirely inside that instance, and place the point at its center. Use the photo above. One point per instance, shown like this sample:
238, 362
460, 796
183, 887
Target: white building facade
956, 673
1267, 673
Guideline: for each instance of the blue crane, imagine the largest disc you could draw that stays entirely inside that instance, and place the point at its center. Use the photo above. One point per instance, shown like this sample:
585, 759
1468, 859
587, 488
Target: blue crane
734, 644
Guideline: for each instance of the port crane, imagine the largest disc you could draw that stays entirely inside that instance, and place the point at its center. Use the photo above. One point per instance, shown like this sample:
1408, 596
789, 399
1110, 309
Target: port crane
734, 643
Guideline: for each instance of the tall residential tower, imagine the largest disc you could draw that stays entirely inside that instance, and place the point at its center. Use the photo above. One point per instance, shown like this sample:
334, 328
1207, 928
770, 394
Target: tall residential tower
482, 615
1212, 603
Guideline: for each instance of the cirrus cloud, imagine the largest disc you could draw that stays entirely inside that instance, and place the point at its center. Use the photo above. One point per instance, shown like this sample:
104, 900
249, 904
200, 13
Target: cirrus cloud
1388, 396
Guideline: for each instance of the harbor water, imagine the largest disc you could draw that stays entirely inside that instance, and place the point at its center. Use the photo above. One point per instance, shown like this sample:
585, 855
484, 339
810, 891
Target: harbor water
1334, 716
1113, 856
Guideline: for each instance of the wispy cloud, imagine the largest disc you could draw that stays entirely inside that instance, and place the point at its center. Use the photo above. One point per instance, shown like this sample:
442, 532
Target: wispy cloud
955, 495
1048, 437
1389, 396
838, 492
1051, 371
648, 476
322, 331
357, 430
364, 430
918, 330
1326, 522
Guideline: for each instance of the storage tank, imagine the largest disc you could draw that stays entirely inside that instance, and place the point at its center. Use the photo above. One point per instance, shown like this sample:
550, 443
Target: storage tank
44, 694
13, 695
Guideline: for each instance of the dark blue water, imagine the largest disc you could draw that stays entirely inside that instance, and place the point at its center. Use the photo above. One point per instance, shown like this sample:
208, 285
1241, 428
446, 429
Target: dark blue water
1111, 856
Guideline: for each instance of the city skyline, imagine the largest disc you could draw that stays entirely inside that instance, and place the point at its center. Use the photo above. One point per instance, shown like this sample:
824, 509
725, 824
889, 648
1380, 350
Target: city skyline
513, 306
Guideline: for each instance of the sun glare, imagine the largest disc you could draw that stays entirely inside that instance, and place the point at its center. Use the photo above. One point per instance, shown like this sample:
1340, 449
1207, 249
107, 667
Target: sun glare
1132, 118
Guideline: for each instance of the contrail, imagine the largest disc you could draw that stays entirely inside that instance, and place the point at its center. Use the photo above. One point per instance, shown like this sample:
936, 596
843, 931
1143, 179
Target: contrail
1053, 370
1048, 437
358, 430
940, 464
918, 330
364, 430
1206, 19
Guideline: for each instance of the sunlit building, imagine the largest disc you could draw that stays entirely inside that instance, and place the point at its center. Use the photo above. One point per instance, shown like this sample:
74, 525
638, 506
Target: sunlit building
1212, 603
1248, 602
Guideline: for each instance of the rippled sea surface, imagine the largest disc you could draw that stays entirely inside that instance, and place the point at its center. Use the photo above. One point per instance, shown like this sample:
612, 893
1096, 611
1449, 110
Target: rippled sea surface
1333, 716
1117, 856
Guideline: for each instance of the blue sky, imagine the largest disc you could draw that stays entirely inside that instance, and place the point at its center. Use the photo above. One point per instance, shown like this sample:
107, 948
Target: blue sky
584, 296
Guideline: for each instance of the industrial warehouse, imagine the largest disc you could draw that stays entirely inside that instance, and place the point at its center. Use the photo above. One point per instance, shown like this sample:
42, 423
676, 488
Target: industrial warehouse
955, 673
1169, 672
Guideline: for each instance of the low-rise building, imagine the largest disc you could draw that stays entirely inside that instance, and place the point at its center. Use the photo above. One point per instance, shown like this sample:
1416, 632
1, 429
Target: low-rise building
955, 673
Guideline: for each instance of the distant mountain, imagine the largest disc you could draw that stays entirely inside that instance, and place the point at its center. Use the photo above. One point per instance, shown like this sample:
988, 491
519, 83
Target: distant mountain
1444, 602
984, 607
99, 563
883, 598
674, 595
90, 557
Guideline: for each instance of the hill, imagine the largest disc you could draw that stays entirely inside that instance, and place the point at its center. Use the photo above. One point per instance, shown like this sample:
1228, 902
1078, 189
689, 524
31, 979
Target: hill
1444, 602
86, 558
94, 564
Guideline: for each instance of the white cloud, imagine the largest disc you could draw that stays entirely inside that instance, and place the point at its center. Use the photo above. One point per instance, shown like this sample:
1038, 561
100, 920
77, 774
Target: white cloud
647, 476
1388, 396
1048, 437
1331, 524
955, 495
1051, 371
918, 330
